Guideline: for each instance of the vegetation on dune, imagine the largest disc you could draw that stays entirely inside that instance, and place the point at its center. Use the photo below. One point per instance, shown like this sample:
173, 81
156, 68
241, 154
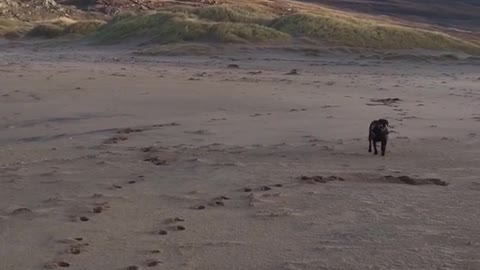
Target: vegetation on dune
348, 31
83, 27
168, 27
11, 23
246, 23
230, 13
46, 31
250, 23
10, 28
62, 27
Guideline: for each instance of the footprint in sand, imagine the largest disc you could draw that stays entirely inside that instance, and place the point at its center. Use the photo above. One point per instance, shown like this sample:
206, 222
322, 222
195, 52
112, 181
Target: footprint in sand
174, 220
222, 198
198, 207
330, 83
117, 186
260, 188
216, 203
293, 72
157, 161
162, 232
20, 211
75, 245
413, 181
152, 263
246, 189
319, 179
199, 132
178, 228
384, 101
217, 119
75, 249
115, 140
264, 188
54, 265
173, 226
129, 130
173, 124
297, 110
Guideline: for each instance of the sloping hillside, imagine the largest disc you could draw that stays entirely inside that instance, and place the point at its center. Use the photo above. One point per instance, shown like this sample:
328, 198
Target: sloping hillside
462, 14
228, 21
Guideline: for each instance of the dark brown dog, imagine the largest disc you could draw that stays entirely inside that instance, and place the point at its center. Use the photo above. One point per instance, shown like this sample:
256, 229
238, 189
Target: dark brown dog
378, 132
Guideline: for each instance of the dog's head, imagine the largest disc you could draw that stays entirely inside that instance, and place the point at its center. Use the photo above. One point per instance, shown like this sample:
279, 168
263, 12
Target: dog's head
383, 122
383, 125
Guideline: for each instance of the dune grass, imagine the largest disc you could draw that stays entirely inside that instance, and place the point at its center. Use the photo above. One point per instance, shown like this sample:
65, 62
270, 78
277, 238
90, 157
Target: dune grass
10, 28
255, 23
63, 27
46, 31
168, 27
83, 27
345, 31
230, 13
249, 23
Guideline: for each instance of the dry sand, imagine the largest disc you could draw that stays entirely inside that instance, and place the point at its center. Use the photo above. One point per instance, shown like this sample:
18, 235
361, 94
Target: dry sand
109, 160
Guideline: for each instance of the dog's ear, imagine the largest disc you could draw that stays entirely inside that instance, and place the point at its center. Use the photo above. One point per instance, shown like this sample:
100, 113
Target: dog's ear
383, 121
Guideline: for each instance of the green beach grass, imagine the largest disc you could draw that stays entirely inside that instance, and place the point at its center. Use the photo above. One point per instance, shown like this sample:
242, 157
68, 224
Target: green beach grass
254, 24
63, 27
245, 23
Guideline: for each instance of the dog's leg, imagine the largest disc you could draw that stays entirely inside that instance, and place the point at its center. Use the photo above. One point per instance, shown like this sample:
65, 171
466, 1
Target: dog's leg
369, 145
375, 147
384, 146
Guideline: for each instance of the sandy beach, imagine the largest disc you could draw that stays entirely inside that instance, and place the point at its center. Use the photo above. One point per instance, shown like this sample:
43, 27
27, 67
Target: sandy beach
112, 160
